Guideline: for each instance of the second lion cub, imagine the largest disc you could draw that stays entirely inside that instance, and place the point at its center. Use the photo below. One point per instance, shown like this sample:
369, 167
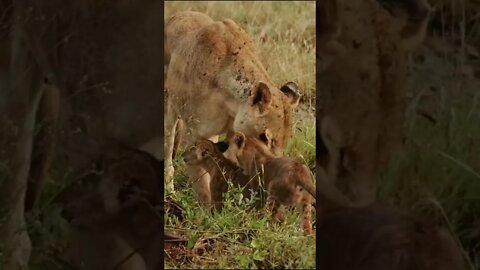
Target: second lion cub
288, 182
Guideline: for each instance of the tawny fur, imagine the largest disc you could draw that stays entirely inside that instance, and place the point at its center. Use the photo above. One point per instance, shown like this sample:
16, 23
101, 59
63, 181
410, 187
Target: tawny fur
206, 155
216, 85
287, 181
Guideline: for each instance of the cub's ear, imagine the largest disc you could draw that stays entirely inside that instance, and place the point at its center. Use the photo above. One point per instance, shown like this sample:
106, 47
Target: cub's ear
266, 137
290, 89
201, 153
261, 97
222, 146
239, 140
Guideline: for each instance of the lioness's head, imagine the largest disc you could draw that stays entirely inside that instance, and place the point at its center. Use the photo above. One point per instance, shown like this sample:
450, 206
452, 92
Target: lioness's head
269, 108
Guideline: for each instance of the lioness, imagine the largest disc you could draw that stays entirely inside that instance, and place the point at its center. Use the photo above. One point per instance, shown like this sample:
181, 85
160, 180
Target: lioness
217, 85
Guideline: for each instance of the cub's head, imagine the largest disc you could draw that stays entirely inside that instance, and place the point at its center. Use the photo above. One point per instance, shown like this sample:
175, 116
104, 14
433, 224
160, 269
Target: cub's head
249, 152
269, 108
202, 150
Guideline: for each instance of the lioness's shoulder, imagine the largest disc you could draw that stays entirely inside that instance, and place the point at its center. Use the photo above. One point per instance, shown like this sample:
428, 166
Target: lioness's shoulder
215, 35
180, 24
225, 35
185, 21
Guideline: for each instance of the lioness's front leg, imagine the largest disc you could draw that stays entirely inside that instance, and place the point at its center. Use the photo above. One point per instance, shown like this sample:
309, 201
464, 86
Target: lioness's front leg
170, 127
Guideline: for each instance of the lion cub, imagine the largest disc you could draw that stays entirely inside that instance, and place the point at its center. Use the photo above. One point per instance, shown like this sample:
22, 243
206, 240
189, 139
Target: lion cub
287, 181
209, 156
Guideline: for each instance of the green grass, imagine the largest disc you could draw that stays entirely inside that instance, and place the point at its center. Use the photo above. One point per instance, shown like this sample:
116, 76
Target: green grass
437, 173
241, 237
238, 238
284, 33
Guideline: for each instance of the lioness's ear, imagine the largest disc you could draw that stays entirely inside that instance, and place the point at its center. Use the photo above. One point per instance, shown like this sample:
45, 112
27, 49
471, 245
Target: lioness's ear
222, 146
239, 140
261, 97
290, 89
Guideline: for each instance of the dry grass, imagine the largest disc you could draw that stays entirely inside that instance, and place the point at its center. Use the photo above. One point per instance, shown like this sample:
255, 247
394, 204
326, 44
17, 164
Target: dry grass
284, 33
437, 173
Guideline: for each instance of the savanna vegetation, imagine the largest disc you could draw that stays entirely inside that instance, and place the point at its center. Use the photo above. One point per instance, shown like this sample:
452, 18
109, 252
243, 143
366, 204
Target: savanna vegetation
437, 173
236, 237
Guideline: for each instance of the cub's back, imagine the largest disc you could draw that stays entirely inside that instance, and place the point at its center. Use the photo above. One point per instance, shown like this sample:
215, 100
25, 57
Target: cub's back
282, 177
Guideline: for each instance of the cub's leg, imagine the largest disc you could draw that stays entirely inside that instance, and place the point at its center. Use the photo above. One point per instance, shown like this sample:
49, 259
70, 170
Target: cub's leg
277, 209
202, 184
279, 213
200, 180
218, 186
306, 208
